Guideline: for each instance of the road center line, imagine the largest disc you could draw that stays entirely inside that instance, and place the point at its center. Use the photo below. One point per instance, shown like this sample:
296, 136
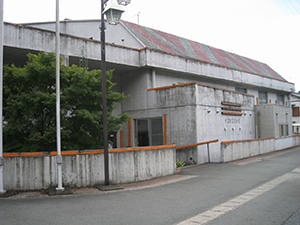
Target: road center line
234, 203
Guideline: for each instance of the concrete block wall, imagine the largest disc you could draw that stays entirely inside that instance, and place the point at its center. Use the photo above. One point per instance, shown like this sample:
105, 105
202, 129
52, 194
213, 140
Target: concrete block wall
235, 150
37, 171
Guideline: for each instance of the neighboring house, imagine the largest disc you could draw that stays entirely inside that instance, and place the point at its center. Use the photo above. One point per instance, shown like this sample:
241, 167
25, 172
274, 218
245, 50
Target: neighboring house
180, 91
295, 101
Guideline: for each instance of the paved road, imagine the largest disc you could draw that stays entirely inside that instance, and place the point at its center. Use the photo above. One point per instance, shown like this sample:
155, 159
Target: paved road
262, 190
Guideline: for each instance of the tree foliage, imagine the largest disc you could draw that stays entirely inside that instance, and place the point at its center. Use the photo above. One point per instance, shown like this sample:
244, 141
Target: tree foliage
30, 106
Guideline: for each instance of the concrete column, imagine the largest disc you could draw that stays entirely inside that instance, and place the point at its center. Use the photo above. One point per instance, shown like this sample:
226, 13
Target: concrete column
153, 78
66, 60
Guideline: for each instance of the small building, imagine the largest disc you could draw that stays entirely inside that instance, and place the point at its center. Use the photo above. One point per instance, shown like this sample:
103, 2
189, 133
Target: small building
180, 91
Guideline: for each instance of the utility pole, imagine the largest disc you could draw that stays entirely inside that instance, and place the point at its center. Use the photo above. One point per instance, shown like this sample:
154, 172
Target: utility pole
2, 191
58, 137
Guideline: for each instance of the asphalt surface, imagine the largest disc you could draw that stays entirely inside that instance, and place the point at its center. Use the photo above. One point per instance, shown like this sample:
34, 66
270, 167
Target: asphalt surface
268, 186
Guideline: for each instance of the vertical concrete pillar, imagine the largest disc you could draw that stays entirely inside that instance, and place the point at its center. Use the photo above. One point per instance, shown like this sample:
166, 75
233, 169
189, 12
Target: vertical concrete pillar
66, 60
153, 75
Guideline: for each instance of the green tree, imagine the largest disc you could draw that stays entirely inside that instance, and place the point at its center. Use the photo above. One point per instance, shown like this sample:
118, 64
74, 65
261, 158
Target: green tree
30, 106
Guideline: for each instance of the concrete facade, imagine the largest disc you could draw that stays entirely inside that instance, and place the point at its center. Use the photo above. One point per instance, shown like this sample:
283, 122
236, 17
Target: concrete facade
179, 91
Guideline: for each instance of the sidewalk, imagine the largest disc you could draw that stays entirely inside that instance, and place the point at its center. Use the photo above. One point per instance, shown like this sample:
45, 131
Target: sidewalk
294, 219
92, 190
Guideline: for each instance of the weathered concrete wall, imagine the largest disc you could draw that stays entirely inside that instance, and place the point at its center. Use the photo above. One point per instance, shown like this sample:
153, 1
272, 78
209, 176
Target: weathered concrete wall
84, 169
117, 34
134, 85
234, 150
213, 124
195, 114
23, 37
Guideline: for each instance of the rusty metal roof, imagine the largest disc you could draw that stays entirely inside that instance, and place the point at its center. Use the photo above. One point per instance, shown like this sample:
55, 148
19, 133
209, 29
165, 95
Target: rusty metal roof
171, 44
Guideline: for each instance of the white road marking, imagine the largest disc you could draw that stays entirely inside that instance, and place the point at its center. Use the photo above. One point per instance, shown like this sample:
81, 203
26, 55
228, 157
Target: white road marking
234, 203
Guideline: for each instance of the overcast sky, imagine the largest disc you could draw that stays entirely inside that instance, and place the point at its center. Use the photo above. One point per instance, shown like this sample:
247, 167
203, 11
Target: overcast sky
264, 30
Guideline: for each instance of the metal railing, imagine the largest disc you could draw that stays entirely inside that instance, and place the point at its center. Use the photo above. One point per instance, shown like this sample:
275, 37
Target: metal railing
194, 145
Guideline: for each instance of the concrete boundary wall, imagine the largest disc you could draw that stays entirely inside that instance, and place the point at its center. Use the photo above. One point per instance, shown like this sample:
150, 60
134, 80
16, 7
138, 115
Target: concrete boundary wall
37, 171
234, 150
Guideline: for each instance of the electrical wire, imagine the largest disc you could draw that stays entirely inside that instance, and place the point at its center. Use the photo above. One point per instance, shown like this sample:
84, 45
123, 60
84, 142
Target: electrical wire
291, 8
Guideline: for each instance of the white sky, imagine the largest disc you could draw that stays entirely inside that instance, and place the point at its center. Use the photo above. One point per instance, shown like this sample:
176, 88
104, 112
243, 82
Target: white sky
264, 30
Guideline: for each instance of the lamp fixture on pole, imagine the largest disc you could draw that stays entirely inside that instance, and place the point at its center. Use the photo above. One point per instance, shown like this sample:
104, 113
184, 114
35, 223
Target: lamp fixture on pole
113, 14
124, 2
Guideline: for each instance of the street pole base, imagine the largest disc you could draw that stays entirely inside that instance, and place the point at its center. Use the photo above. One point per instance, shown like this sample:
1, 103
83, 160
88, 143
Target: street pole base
55, 191
6, 194
60, 189
112, 187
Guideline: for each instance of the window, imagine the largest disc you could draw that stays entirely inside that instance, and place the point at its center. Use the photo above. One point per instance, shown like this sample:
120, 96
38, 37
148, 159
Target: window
242, 90
295, 111
149, 132
280, 99
281, 130
287, 129
262, 98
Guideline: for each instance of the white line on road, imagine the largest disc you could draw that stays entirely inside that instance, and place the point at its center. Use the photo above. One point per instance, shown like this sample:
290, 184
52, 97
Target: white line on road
234, 203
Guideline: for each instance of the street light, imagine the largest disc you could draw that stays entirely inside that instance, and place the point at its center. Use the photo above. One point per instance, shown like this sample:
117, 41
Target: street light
113, 14
124, 2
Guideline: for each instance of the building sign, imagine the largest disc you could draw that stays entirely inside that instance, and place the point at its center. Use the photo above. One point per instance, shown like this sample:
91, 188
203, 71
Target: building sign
232, 121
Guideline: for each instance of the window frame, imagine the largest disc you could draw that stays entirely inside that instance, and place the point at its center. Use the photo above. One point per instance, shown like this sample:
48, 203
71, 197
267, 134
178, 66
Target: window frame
150, 130
241, 90
264, 100
295, 111
280, 99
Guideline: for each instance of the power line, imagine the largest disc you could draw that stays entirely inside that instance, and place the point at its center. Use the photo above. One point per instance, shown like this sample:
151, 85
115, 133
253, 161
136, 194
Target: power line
294, 6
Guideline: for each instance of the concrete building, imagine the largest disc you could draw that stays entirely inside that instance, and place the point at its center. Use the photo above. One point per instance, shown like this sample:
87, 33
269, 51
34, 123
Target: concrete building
180, 91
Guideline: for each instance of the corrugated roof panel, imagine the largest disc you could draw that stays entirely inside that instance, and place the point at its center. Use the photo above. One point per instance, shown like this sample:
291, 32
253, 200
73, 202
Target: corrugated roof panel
141, 34
144, 40
252, 65
271, 72
188, 48
244, 66
220, 56
149, 37
210, 54
201, 53
167, 41
233, 65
